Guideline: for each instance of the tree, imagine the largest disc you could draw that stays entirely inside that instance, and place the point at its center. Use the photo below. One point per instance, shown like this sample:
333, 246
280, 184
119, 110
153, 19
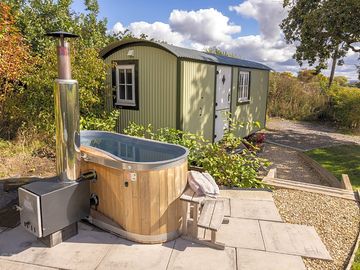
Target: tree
14, 53
322, 30
307, 75
341, 80
32, 104
217, 51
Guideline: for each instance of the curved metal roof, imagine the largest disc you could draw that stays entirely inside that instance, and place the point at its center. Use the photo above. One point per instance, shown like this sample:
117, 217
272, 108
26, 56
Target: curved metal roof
184, 53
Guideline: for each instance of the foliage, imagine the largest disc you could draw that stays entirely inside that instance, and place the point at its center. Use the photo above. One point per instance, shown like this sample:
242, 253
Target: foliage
15, 59
356, 264
32, 104
307, 75
341, 80
14, 53
217, 51
308, 97
345, 109
322, 29
219, 159
292, 98
343, 159
106, 122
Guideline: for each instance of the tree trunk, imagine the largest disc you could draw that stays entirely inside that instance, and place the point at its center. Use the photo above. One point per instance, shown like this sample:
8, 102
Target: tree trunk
333, 66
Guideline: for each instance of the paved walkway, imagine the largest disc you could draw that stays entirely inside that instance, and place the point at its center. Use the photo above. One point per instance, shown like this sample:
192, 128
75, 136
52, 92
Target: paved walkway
306, 135
255, 238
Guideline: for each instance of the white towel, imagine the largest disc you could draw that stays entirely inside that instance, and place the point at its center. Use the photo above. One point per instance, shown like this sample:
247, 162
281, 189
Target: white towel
212, 182
202, 184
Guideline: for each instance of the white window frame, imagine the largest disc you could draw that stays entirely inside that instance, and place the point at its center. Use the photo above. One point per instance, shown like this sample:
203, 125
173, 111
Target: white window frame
125, 101
244, 86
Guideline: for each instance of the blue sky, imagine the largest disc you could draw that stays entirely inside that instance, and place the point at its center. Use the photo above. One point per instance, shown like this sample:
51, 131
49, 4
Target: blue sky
247, 28
139, 10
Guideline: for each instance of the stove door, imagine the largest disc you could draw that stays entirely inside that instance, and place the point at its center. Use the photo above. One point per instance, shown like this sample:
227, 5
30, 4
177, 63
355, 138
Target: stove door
30, 213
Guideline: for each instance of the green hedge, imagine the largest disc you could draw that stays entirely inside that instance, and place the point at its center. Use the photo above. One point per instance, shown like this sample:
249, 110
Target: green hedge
291, 98
345, 106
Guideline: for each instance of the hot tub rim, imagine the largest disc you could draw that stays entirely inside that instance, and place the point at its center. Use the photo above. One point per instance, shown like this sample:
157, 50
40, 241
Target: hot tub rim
119, 163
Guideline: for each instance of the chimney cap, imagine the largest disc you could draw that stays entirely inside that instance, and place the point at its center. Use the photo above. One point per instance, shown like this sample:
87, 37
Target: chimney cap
62, 34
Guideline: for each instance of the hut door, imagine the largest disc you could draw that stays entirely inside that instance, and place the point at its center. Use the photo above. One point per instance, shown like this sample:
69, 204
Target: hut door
223, 100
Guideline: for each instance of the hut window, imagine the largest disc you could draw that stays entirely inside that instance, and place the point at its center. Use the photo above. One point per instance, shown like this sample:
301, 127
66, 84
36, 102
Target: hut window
125, 85
244, 86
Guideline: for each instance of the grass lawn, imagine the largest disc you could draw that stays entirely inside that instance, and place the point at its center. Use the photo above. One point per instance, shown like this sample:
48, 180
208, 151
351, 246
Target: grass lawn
343, 159
356, 264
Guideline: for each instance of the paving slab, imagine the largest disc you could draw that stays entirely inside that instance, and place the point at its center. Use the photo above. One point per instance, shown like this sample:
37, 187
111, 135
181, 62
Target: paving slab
248, 259
129, 255
17, 244
259, 195
9, 265
190, 256
293, 239
2, 229
253, 209
83, 251
242, 233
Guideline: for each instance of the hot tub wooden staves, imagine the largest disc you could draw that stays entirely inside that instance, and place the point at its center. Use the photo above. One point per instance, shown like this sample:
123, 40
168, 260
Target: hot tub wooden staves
141, 205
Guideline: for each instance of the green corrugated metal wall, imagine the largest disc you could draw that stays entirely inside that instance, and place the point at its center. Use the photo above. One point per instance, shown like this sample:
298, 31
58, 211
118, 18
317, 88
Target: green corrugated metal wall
157, 87
197, 84
157, 93
256, 109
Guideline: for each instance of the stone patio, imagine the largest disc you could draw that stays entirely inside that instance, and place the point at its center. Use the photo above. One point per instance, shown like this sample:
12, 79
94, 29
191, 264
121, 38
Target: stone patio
255, 238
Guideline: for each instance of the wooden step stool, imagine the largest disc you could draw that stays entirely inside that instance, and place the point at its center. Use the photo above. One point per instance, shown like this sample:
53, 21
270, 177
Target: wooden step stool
211, 217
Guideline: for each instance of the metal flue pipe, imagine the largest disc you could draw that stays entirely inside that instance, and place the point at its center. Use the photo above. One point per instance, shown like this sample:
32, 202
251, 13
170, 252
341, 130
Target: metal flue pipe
67, 119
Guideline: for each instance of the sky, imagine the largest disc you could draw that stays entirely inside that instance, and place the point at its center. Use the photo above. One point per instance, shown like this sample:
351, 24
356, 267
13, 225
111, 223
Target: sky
248, 29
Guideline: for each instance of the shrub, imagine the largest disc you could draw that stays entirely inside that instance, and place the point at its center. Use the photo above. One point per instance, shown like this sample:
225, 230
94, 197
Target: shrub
219, 159
345, 108
291, 98
106, 122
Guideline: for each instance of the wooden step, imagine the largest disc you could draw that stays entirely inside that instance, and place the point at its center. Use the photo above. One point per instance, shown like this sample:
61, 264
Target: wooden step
331, 191
212, 215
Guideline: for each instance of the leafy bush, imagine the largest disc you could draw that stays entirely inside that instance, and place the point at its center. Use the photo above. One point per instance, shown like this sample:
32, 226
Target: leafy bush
345, 108
106, 122
291, 98
219, 159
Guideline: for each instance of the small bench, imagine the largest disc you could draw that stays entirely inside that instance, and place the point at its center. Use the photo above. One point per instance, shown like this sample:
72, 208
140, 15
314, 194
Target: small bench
211, 216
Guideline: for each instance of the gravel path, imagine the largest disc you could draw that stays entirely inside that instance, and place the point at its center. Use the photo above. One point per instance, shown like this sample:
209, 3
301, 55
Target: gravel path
336, 220
306, 135
290, 166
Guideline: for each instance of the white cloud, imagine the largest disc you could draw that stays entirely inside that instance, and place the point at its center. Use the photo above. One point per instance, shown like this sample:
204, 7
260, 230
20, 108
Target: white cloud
156, 30
209, 27
255, 47
117, 28
204, 26
268, 13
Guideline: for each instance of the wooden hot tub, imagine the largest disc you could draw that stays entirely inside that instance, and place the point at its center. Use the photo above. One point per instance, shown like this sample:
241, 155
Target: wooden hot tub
138, 187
